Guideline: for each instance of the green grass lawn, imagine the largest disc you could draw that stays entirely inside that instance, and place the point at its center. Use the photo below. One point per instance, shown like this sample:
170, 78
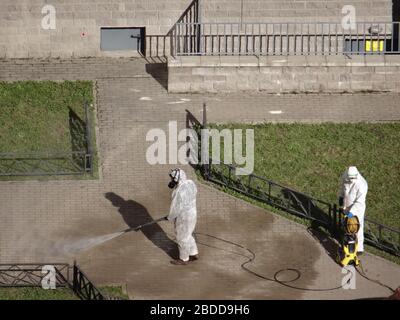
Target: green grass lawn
114, 291
58, 294
311, 157
44, 116
36, 294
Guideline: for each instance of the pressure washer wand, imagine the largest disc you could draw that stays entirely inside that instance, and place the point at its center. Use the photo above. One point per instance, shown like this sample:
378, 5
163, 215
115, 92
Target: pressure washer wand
146, 224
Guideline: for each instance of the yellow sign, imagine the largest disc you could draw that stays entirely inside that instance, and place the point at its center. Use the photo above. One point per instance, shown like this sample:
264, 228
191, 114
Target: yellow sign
374, 45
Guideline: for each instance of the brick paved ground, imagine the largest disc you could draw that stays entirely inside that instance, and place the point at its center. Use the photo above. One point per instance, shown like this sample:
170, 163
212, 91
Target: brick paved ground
39, 219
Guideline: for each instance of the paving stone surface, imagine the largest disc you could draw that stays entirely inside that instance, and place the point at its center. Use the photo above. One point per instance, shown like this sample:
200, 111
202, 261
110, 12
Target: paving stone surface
48, 220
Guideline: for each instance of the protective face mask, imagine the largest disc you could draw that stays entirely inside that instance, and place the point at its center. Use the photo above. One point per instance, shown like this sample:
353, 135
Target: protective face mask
350, 180
172, 184
175, 176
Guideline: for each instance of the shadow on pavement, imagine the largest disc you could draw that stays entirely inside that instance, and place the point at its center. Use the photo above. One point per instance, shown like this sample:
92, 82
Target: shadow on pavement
135, 214
330, 245
159, 71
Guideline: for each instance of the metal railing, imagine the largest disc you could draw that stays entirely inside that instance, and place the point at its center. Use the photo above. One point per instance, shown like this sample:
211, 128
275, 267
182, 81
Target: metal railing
31, 275
75, 162
320, 212
272, 193
83, 287
382, 237
284, 39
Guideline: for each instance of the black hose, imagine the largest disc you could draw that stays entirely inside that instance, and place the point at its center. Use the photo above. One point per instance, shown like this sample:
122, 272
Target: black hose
275, 277
360, 270
362, 273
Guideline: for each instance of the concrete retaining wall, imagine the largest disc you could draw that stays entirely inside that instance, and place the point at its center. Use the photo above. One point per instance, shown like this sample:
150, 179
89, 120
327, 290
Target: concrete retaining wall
293, 10
284, 74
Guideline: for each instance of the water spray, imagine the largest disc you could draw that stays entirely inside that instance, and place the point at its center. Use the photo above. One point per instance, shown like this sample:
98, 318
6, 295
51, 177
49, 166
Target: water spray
85, 244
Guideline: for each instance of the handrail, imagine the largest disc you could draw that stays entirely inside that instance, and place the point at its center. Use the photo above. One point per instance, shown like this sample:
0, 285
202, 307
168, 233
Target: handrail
285, 38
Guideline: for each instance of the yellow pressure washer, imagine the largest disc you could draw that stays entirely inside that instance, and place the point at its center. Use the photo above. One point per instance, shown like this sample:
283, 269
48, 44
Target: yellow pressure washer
347, 254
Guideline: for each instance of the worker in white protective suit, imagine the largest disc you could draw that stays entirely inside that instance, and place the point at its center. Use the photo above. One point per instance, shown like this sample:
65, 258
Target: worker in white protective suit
352, 197
184, 214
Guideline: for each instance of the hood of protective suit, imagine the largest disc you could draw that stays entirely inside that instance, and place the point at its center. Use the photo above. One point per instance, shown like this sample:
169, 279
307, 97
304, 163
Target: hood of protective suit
354, 193
352, 172
182, 180
183, 177
183, 198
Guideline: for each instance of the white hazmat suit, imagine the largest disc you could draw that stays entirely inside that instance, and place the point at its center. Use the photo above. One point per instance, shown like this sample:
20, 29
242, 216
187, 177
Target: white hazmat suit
184, 213
353, 190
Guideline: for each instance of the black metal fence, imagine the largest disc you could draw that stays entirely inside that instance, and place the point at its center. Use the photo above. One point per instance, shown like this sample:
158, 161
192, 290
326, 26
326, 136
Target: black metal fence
302, 205
31, 275
272, 193
77, 161
382, 237
321, 38
83, 287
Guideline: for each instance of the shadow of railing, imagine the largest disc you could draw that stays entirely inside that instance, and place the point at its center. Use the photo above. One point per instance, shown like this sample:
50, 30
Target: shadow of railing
159, 47
76, 161
318, 212
77, 129
159, 71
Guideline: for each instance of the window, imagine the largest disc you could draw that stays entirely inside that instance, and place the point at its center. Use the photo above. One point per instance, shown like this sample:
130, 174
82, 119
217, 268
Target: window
123, 38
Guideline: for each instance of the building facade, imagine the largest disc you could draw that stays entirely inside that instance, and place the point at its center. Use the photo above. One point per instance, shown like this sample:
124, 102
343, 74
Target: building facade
76, 28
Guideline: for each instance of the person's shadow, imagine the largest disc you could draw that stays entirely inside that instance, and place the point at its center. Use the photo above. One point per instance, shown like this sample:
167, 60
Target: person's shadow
135, 214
